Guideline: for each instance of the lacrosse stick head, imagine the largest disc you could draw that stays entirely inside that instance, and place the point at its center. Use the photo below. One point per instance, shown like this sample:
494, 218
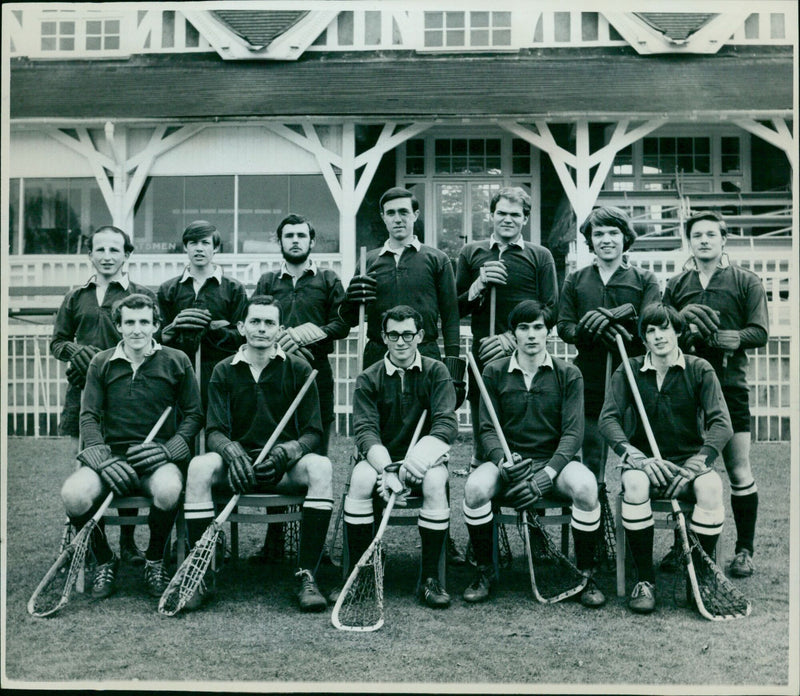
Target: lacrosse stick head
360, 603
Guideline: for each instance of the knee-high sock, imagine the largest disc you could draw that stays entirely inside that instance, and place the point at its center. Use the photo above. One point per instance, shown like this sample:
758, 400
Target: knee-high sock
98, 542
433, 527
313, 531
707, 525
586, 533
744, 503
359, 518
160, 523
198, 517
126, 530
638, 522
480, 525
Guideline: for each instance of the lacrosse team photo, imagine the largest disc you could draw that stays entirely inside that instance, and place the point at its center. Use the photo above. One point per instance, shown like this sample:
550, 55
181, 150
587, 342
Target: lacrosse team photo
387, 347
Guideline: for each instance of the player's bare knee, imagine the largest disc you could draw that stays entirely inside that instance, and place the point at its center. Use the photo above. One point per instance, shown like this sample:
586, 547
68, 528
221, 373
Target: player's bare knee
320, 475
200, 475
80, 491
475, 494
363, 481
636, 486
584, 493
166, 489
708, 490
435, 483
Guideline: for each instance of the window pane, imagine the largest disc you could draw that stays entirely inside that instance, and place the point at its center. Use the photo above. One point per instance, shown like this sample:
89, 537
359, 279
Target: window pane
67, 44
309, 196
751, 27
501, 19
478, 19
372, 27
13, 216
48, 28
702, 146
450, 222
561, 30
455, 38
777, 29
111, 43
454, 20
589, 31
479, 37
67, 27
48, 44
501, 37
345, 28
434, 20
112, 26
93, 27
702, 164
93, 43
434, 39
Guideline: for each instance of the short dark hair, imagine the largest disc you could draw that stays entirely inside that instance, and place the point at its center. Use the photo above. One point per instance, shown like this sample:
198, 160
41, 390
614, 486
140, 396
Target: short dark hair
515, 194
398, 192
295, 220
528, 311
136, 300
265, 300
200, 229
127, 244
660, 315
401, 313
707, 215
609, 216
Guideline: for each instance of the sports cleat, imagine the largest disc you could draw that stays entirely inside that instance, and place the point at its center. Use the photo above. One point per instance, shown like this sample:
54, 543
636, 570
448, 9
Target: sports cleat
308, 594
434, 595
742, 565
643, 598
455, 556
129, 553
592, 596
156, 577
672, 561
481, 587
333, 595
105, 577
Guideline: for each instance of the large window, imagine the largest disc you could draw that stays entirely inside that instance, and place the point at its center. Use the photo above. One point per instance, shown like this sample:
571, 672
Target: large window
467, 29
54, 215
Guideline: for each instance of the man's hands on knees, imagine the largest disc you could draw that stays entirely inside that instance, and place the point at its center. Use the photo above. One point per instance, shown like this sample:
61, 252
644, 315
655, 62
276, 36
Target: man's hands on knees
525, 492
515, 470
241, 476
280, 459
661, 472
693, 467
113, 471
430, 451
389, 482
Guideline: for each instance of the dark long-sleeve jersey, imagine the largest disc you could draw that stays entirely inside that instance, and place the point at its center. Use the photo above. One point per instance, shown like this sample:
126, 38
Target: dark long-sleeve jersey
739, 297
583, 291
544, 423
81, 321
386, 407
688, 414
224, 299
120, 406
315, 298
531, 276
241, 409
423, 280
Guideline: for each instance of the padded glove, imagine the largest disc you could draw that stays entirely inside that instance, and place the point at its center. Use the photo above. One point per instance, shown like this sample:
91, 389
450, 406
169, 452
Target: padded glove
591, 325
457, 367
362, 288
75, 377
192, 319
659, 471
523, 494
705, 319
307, 333
495, 347
147, 457
430, 451
729, 340
290, 346
695, 466
491, 273
114, 472
280, 459
389, 482
609, 336
515, 470
82, 357
241, 476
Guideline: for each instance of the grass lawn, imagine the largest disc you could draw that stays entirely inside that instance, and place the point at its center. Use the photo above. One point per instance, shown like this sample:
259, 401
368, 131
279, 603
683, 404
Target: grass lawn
252, 631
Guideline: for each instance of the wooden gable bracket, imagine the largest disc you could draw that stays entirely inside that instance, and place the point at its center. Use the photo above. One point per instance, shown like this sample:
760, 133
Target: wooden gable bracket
347, 188
781, 137
120, 196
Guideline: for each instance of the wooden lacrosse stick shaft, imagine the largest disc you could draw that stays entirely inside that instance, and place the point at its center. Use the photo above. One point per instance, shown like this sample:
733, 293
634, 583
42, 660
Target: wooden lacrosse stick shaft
198, 362
234, 501
362, 311
492, 309
489, 406
651, 438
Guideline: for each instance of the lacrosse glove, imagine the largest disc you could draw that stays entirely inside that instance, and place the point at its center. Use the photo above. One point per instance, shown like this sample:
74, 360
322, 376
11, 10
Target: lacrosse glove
241, 477
526, 492
515, 470
491, 273
280, 459
427, 453
81, 358
307, 333
389, 482
362, 288
498, 346
148, 456
659, 471
290, 346
591, 326
695, 466
703, 317
457, 367
192, 319
114, 472
75, 377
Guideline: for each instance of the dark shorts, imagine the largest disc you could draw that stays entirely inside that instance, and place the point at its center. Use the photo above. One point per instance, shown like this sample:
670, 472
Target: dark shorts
324, 382
738, 401
70, 415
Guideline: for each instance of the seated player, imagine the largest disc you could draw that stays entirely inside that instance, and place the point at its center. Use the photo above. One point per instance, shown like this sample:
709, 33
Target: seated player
389, 399
127, 389
539, 403
248, 394
675, 389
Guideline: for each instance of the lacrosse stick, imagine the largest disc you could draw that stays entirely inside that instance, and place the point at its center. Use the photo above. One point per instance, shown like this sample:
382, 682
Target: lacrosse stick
189, 576
553, 576
198, 362
714, 595
337, 549
359, 606
55, 589
607, 549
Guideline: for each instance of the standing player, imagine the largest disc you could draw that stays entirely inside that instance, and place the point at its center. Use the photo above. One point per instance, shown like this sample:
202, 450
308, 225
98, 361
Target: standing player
675, 389
517, 270
84, 327
389, 398
202, 306
248, 395
539, 404
127, 388
725, 308
309, 297
597, 302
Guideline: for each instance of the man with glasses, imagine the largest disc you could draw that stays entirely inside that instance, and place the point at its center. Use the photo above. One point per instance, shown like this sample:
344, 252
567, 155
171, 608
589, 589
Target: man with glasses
389, 398
511, 268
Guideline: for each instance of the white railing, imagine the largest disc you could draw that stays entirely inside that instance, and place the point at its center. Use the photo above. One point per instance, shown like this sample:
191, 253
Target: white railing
37, 382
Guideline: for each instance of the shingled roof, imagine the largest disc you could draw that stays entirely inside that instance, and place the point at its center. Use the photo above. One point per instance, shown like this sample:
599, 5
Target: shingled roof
545, 84
259, 28
677, 26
